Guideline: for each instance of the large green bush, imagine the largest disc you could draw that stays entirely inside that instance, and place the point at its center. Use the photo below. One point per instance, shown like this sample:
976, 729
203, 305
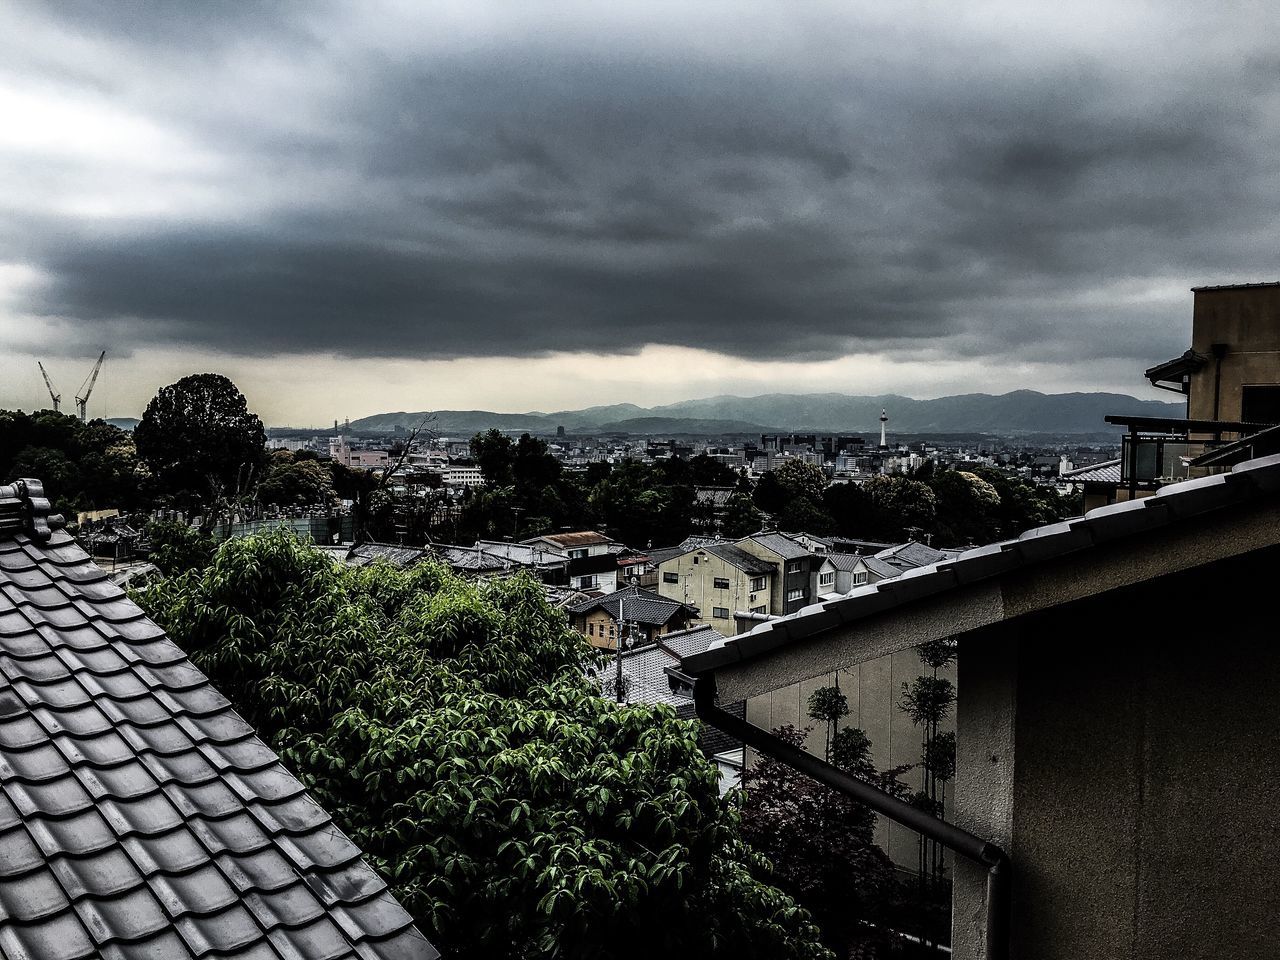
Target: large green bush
449, 728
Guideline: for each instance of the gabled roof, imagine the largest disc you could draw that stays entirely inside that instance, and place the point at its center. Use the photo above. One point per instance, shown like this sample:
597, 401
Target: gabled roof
844, 562
470, 558
780, 544
737, 557
140, 816
1228, 514
1174, 370
911, 554
636, 603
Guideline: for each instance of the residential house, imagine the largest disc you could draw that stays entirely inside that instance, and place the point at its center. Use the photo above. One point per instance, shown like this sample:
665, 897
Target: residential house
1114, 763
140, 816
790, 590
893, 562
592, 558
719, 579
640, 616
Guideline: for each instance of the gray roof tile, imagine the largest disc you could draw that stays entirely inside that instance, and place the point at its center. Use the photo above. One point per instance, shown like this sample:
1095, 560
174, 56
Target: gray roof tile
140, 817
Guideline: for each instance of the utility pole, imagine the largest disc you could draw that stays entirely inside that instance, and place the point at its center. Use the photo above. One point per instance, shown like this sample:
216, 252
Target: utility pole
619, 693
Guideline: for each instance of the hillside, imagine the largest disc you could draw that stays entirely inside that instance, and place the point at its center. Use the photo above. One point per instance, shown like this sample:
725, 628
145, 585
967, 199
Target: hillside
1022, 411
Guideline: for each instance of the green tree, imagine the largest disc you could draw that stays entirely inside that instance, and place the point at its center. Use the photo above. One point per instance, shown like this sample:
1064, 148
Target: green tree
828, 706
820, 840
450, 728
200, 441
967, 508
741, 518
293, 482
495, 454
178, 548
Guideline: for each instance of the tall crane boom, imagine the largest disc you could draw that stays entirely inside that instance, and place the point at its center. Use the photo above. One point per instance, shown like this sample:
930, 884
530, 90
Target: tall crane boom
54, 395
86, 388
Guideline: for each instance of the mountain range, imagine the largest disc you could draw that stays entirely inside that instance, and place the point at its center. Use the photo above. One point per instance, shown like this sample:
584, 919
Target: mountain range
1019, 412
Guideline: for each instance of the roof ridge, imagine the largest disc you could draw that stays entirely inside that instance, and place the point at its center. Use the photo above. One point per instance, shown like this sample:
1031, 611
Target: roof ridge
25, 508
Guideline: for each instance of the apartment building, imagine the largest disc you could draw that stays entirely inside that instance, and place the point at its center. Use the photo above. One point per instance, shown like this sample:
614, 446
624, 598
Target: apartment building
718, 579
791, 589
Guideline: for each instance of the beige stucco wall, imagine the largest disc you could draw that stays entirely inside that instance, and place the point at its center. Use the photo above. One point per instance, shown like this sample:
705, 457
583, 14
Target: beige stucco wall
873, 689
1248, 321
1124, 752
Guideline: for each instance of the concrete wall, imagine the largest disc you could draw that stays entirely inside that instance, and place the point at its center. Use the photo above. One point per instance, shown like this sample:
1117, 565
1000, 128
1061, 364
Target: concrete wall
873, 689
1124, 752
1248, 321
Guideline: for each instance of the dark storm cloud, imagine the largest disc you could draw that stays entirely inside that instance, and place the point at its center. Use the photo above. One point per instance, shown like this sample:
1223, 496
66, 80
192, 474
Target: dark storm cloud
606, 190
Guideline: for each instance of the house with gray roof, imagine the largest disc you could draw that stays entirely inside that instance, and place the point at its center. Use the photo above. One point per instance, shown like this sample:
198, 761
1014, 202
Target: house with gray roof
140, 816
719, 580
638, 615
1115, 767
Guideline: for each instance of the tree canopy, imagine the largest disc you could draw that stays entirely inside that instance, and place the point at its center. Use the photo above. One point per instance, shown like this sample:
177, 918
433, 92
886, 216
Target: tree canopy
199, 438
450, 728
84, 466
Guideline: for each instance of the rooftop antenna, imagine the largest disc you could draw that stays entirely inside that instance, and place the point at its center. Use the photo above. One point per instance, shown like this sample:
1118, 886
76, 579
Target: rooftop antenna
53, 394
86, 388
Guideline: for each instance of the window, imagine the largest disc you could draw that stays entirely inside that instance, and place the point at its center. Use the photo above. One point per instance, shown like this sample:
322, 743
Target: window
793, 566
577, 554
591, 629
695, 559
826, 579
795, 595
669, 577
1260, 404
721, 583
757, 583
720, 613
760, 609
586, 583
860, 577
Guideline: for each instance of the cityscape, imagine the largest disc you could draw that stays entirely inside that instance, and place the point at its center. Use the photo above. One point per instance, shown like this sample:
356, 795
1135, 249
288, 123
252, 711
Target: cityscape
552, 482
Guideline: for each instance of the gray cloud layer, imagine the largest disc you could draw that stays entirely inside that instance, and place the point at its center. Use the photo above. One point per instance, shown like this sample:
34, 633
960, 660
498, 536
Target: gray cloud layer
791, 185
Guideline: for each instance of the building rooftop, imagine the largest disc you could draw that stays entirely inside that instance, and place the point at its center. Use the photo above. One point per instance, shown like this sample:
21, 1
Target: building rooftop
1108, 471
737, 557
781, 544
637, 604
140, 816
582, 538
924, 592
1237, 286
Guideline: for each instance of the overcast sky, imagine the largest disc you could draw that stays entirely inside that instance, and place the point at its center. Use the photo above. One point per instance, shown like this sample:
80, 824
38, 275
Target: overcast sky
361, 207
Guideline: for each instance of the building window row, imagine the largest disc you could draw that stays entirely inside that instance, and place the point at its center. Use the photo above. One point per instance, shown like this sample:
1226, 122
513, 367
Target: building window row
668, 577
721, 583
720, 613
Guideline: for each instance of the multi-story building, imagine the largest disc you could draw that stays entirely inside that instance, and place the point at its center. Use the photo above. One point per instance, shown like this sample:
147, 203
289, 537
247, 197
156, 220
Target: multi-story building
791, 589
718, 579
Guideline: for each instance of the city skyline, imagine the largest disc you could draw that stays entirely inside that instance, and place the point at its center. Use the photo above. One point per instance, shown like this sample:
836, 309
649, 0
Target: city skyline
559, 205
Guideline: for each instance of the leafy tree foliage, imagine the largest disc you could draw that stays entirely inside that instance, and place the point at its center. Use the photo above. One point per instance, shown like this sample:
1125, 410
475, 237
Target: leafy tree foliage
451, 730
200, 440
741, 518
177, 548
291, 481
84, 466
819, 839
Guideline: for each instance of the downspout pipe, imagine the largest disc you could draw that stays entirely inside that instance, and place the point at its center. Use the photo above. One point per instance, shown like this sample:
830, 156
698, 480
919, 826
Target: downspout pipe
968, 845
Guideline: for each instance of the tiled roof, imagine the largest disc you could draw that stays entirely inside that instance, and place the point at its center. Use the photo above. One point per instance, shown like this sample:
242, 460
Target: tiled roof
844, 562
1248, 481
780, 544
640, 605
1237, 286
139, 814
583, 538
397, 554
645, 667
1106, 472
911, 554
737, 557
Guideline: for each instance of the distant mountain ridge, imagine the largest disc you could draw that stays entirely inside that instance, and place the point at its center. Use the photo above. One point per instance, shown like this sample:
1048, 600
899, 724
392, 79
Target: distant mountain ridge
1022, 411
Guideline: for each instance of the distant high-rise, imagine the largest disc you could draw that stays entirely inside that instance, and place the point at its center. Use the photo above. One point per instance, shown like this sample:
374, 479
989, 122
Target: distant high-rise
884, 418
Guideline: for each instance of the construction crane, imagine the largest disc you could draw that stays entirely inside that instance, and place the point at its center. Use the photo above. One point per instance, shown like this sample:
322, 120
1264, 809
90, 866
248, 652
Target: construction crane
53, 394
86, 388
